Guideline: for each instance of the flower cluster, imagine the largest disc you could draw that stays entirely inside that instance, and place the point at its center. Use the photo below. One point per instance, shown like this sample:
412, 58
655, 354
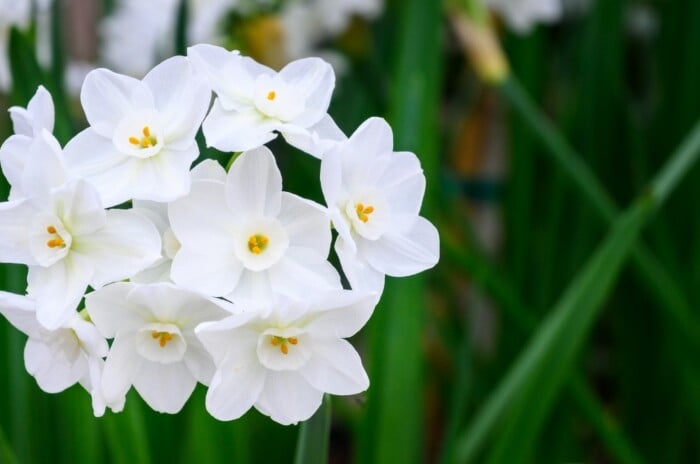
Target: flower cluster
197, 274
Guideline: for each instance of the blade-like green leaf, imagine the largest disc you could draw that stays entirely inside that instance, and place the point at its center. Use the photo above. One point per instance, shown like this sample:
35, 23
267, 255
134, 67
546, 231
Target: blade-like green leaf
530, 387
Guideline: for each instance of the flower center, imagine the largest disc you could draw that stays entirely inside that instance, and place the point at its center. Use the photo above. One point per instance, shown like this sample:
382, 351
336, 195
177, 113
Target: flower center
363, 211
146, 141
271, 95
55, 241
257, 243
282, 342
162, 337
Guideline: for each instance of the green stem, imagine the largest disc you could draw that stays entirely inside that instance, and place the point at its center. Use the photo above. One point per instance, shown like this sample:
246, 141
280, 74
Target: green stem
314, 434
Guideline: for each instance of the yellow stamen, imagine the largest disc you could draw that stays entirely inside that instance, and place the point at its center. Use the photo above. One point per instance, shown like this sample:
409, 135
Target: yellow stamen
284, 349
282, 343
55, 242
51, 229
271, 95
257, 243
363, 212
147, 141
293, 340
164, 337
275, 341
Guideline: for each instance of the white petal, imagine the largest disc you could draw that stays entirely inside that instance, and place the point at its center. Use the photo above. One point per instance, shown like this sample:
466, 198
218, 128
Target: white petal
208, 169
254, 185
236, 131
164, 387
13, 158
303, 271
163, 177
314, 80
127, 244
38, 115
229, 336
107, 96
252, 286
20, 311
58, 289
112, 312
306, 223
340, 314
403, 255
288, 398
199, 362
318, 139
53, 372
15, 219
95, 158
43, 169
169, 303
211, 273
235, 387
359, 273
80, 208
121, 365
335, 367
180, 96
332, 177
403, 184
202, 220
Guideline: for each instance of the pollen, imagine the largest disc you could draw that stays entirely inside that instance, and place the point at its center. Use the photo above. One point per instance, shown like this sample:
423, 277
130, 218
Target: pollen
271, 95
363, 212
56, 241
162, 337
147, 140
257, 243
282, 343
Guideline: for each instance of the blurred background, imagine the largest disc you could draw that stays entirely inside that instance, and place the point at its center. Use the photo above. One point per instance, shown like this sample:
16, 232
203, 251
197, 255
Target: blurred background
537, 122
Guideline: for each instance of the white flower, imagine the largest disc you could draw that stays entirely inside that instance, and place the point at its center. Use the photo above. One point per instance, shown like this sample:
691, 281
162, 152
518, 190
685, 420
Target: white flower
253, 101
12, 13
67, 239
374, 196
141, 142
158, 214
154, 347
522, 15
36, 120
59, 358
247, 239
138, 34
282, 358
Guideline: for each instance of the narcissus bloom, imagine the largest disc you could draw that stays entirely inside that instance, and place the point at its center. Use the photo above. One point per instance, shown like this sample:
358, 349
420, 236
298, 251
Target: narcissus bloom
59, 358
140, 143
374, 197
154, 347
522, 15
246, 239
67, 239
281, 358
254, 102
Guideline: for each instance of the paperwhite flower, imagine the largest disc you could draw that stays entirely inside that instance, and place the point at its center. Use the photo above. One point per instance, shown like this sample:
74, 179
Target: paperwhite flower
12, 13
374, 197
34, 121
246, 239
522, 15
141, 141
138, 34
282, 358
67, 239
154, 347
59, 358
253, 101
158, 214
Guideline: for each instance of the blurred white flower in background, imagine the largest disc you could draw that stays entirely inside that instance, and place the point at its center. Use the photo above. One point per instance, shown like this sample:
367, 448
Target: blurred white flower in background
522, 15
12, 13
